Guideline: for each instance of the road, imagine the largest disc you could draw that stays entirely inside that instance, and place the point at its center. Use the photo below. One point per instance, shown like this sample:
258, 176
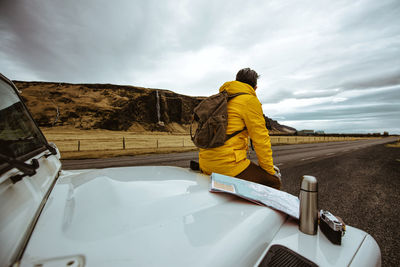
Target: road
288, 155
357, 180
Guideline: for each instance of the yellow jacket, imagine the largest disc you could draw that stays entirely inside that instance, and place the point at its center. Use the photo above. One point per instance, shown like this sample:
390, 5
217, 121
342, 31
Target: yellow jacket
231, 158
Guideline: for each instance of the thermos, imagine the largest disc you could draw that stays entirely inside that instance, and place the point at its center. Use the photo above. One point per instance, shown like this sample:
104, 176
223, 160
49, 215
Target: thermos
309, 205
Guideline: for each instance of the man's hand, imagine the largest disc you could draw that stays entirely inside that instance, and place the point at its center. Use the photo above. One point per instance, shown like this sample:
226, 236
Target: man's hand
277, 173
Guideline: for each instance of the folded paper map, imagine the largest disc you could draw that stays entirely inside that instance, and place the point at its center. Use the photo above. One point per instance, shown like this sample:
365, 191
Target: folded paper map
260, 194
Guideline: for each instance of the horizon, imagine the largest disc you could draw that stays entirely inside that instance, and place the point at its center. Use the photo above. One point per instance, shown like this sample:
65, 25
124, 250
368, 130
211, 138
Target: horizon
331, 66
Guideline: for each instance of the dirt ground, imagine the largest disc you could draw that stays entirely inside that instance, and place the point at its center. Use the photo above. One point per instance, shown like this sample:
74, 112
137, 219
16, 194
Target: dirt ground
363, 188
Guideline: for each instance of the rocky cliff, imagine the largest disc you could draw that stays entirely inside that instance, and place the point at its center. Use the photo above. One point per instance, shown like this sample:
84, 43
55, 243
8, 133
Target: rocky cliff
112, 107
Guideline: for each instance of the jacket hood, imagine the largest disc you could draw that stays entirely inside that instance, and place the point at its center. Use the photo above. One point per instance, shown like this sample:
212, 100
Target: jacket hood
234, 87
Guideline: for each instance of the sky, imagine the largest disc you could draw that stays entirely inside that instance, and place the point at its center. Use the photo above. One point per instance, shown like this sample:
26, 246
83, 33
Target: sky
323, 65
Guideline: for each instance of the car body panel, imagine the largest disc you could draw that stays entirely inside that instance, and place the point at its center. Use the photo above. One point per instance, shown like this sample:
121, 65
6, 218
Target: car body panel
148, 216
368, 254
319, 249
21, 203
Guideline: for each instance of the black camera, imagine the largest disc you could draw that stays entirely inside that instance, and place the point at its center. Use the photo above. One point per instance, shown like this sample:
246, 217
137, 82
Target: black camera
332, 227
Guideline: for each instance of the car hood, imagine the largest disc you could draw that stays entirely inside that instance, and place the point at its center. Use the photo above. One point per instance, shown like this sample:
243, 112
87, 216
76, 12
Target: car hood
151, 216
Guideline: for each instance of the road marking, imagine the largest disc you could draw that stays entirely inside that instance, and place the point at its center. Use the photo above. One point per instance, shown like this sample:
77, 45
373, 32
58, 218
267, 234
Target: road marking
279, 164
308, 158
329, 154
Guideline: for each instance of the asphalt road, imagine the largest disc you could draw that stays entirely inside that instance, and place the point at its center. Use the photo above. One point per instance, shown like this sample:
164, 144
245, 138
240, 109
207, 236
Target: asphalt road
358, 181
288, 155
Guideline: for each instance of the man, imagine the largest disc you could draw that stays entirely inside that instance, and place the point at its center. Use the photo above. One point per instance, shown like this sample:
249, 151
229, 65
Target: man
244, 112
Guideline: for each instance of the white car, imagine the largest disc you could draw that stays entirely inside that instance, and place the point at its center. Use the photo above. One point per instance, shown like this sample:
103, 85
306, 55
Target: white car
139, 216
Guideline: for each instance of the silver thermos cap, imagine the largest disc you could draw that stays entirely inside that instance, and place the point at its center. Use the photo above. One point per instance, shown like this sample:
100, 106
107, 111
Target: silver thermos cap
309, 205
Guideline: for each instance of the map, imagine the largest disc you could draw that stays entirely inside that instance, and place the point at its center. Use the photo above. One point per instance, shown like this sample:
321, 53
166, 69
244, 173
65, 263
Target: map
260, 194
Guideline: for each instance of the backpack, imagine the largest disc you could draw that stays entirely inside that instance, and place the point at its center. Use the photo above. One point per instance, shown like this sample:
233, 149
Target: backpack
211, 118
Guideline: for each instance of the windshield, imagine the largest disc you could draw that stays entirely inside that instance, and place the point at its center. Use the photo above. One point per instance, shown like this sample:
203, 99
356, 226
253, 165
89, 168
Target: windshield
19, 135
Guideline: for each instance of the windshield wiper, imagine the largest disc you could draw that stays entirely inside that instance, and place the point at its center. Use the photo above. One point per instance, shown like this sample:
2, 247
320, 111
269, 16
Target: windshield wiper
26, 169
51, 149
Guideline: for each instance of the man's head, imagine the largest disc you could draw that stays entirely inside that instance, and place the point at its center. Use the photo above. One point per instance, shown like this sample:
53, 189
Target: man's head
248, 76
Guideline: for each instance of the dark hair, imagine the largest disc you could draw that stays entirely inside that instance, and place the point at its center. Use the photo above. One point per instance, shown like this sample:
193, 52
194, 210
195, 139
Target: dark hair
248, 76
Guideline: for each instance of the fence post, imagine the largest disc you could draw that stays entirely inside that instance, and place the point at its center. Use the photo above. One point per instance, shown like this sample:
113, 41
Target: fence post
123, 142
79, 145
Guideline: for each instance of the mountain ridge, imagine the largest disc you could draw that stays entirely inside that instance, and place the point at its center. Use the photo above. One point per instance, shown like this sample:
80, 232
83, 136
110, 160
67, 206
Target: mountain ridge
114, 107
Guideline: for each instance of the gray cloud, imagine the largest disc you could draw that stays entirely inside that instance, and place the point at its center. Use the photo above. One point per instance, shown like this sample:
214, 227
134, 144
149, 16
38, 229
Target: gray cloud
375, 110
348, 112
375, 81
331, 58
94, 42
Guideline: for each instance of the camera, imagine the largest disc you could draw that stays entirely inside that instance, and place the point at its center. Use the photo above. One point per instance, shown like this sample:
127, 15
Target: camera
332, 227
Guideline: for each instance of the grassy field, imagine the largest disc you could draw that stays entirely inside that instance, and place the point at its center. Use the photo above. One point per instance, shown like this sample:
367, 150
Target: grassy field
78, 144
397, 144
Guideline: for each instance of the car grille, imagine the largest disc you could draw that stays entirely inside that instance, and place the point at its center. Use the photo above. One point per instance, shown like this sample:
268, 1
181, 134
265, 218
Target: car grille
279, 256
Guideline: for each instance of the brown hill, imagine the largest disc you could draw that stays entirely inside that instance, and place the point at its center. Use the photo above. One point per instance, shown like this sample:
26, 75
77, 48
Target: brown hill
113, 107
278, 129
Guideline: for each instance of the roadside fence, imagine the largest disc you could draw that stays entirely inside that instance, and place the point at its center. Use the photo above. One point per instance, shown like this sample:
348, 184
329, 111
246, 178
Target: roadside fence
125, 143
284, 140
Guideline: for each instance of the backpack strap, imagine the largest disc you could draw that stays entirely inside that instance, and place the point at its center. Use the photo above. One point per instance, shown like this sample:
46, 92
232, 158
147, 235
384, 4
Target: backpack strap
230, 97
229, 136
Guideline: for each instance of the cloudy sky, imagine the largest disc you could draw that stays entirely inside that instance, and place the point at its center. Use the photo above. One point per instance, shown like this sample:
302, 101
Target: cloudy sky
324, 65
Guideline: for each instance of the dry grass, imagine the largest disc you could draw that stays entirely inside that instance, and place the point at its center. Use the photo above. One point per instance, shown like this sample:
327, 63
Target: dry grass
78, 144
397, 144
119, 153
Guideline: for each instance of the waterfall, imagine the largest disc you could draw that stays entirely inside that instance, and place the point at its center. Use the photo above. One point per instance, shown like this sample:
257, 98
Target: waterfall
158, 106
159, 122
